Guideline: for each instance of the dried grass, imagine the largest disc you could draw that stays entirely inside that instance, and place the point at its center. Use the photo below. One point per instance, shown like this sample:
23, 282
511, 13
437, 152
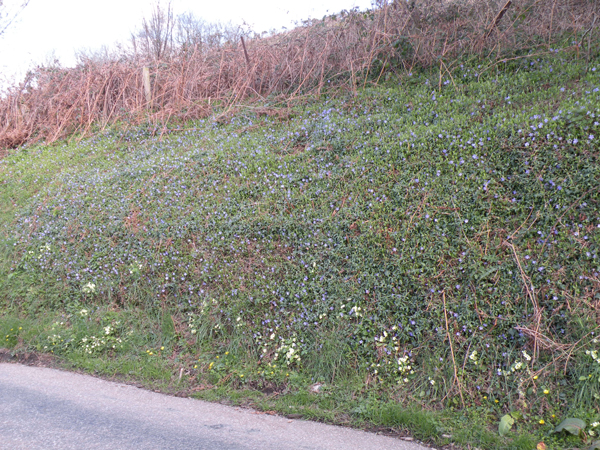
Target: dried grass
348, 50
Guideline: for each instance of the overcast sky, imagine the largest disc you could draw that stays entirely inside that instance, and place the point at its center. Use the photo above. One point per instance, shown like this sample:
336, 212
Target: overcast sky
58, 28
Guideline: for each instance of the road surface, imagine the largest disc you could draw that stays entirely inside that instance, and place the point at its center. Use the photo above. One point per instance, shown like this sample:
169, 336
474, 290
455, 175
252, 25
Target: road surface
42, 408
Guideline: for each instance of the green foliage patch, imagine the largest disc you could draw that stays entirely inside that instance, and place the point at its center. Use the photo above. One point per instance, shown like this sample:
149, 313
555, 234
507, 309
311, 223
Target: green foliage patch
436, 238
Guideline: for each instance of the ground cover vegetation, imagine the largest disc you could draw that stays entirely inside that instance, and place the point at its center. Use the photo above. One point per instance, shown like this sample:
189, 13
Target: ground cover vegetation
407, 243
418, 255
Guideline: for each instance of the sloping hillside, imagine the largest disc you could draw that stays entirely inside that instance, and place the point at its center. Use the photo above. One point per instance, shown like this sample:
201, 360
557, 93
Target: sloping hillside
429, 242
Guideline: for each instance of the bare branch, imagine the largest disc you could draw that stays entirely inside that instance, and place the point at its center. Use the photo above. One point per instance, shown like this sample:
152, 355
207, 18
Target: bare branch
8, 18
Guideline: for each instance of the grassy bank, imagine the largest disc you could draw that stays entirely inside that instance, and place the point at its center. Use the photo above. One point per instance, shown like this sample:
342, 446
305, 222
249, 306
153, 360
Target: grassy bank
416, 256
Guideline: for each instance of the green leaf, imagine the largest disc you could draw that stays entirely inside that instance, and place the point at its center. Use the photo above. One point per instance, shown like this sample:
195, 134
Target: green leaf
506, 423
595, 446
516, 415
570, 425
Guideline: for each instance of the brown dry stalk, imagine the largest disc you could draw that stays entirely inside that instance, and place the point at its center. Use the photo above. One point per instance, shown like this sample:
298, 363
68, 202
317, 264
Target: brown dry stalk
456, 379
537, 314
544, 342
498, 18
54, 102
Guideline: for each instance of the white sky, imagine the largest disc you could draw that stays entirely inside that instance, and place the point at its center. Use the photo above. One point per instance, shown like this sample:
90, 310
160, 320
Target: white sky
58, 28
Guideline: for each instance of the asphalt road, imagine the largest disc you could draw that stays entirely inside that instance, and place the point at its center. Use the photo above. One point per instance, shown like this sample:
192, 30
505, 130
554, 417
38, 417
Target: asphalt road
43, 408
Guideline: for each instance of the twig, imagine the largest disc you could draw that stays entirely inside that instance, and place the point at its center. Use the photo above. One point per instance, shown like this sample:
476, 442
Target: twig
498, 17
587, 31
456, 380
505, 60
531, 293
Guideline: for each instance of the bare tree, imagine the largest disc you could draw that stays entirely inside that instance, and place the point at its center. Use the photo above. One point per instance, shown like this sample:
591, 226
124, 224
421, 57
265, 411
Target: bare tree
191, 31
161, 34
155, 38
194, 32
8, 14
99, 56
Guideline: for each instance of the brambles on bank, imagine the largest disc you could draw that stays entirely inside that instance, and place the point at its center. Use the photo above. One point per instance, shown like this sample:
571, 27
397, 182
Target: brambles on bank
196, 70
